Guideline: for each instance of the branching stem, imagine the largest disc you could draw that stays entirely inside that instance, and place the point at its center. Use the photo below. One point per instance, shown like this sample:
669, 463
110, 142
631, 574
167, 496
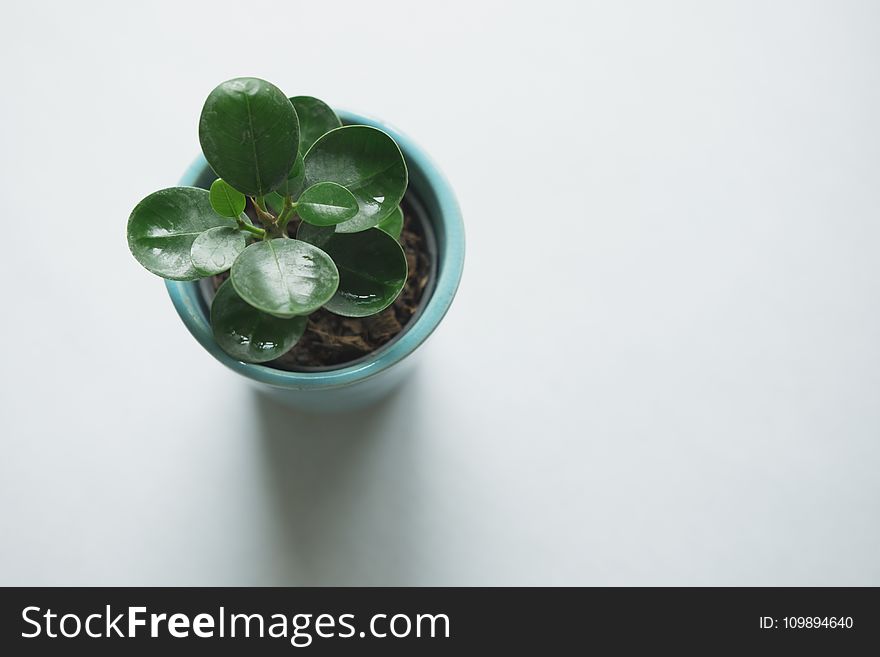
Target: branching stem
269, 221
286, 213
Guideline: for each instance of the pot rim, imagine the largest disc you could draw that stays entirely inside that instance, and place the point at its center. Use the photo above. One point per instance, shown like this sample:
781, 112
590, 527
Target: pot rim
449, 228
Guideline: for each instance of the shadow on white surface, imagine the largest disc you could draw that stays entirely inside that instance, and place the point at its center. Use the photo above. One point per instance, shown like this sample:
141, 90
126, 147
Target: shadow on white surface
342, 491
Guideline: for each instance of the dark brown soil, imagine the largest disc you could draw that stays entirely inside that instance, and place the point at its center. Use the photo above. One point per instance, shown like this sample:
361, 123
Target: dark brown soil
334, 340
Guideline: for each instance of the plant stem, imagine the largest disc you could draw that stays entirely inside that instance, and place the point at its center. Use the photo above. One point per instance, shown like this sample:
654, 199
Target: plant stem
266, 218
286, 212
253, 230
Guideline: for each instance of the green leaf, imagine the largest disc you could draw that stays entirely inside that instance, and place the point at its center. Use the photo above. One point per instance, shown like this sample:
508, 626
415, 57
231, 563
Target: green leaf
368, 163
216, 249
274, 201
226, 200
317, 235
326, 204
294, 183
249, 134
247, 334
163, 227
393, 223
315, 119
372, 272
285, 277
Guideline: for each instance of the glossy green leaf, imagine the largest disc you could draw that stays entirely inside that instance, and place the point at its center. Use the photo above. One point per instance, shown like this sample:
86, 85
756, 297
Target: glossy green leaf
285, 277
326, 204
317, 235
274, 201
248, 334
249, 134
393, 223
163, 227
315, 119
225, 199
216, 249
372, 272
368, 163
295, 181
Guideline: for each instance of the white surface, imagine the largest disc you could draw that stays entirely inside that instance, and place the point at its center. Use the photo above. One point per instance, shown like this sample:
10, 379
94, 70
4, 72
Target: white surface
663, 365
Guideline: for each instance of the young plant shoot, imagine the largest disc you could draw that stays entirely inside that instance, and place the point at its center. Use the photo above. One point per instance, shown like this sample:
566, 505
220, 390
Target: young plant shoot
296, 162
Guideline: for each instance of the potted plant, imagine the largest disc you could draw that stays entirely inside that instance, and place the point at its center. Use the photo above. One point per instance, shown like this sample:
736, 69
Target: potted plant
311, 251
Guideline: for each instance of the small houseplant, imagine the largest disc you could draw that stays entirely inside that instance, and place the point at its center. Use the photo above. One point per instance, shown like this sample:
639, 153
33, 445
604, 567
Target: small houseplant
303, 215
344, 183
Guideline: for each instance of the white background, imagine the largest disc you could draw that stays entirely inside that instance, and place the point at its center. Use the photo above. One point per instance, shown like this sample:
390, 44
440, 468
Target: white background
662, 367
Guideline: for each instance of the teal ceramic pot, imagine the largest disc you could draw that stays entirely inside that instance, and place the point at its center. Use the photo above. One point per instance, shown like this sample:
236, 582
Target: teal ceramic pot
365, 381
